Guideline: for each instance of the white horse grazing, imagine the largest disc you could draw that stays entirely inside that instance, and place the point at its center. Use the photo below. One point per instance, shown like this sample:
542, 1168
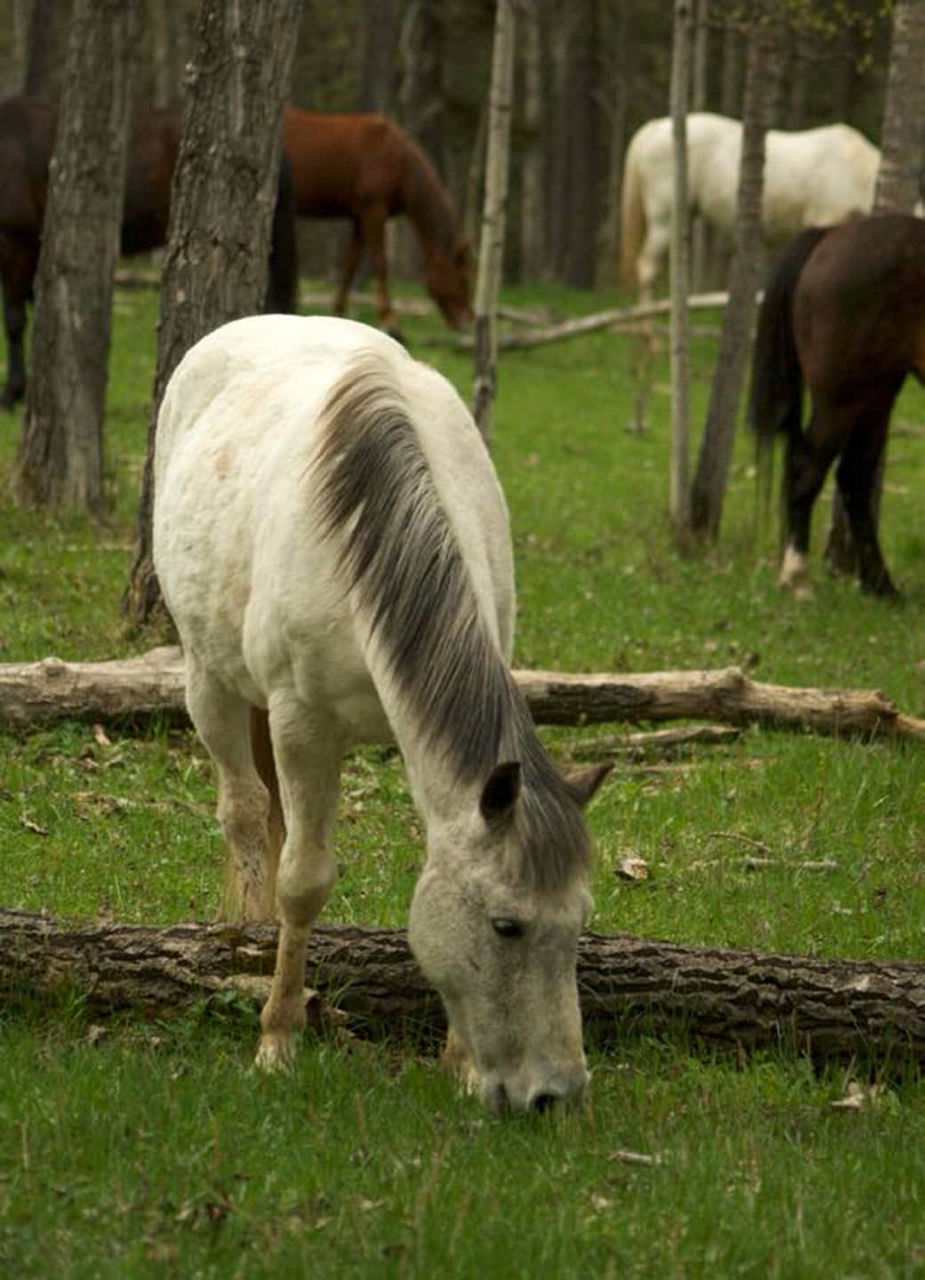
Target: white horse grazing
333, 544
815, 177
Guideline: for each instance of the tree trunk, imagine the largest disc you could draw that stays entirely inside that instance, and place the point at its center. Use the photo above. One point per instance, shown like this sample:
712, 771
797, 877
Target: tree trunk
902, 145
730, 99
133, 689
709, 487
699, 103
61, 455
222, 205
581, 190
421, 103
494, 216
376, 86
45, 42
532, 202
607, 270
827, 1007
678, 492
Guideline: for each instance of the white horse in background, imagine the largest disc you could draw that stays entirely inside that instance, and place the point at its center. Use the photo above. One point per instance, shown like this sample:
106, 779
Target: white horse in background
813, 177
334, 547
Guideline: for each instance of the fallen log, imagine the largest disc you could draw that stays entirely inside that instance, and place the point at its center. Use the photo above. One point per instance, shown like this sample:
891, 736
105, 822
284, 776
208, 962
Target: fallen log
827, 1007
135, 688
612, 318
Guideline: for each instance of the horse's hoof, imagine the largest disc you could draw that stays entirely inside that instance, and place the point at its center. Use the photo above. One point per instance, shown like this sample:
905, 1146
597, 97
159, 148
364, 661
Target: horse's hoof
275, 1052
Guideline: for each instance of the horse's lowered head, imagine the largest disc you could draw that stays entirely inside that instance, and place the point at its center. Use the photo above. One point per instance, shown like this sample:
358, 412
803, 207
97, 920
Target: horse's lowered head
448, 277
499, 941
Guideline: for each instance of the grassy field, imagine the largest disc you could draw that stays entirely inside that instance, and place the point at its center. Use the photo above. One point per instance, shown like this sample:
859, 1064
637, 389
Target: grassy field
149, 1149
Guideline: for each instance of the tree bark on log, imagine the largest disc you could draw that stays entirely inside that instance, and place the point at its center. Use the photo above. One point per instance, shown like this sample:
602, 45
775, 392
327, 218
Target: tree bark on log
828, 1007
137, 688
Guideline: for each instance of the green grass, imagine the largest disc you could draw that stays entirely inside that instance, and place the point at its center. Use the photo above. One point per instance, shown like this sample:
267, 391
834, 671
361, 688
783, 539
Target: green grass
154, 1149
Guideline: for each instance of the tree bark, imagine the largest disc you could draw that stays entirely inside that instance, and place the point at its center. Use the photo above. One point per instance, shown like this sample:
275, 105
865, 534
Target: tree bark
376, 77
828, 1007
45, 42
61, 452
532, 202
494, 217
897, 190
222, 205
678, 486
135, 688
582, 86
709, 486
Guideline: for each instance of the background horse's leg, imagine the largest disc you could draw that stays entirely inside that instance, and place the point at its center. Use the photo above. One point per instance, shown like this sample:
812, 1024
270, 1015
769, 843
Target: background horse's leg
351, 261
372, 227
307, 761
222, 720
653, 253
17, 270
855, 476
806, 465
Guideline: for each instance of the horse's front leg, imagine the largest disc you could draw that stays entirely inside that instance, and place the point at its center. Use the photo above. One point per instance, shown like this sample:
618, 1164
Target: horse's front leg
857, 469
351, 261
307, 761
372, 225
16, 287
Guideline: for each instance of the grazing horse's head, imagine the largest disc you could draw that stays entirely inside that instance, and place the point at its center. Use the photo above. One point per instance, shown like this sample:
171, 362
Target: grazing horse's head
448, 276
501, 946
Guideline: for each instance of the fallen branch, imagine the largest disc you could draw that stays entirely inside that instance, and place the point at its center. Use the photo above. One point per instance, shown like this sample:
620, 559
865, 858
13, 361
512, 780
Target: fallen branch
826, 1006
613, 318
136, 688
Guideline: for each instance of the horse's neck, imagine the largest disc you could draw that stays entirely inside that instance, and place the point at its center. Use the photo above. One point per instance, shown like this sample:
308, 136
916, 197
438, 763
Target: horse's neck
426, 203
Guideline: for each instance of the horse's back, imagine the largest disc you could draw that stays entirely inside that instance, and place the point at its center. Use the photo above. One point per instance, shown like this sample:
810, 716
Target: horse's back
339, 160
27, 129
816, 177
253, 584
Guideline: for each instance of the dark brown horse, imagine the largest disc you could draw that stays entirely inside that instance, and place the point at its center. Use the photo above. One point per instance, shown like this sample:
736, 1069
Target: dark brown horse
844, 314
27, 128
366, 168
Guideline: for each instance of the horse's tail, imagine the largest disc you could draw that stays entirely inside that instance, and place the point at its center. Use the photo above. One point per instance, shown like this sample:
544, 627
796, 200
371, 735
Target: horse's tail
632, 219
776, 396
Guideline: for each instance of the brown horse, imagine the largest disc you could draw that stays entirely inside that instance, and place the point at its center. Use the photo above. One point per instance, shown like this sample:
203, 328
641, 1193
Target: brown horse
27, 129
366, 168
844, 312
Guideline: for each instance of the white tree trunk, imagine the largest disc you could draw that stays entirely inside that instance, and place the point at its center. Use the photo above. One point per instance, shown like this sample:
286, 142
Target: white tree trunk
494, 217
679, 488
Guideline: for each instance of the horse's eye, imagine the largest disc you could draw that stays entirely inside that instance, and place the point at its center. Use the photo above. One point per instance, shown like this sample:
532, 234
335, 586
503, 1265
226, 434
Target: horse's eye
506, 927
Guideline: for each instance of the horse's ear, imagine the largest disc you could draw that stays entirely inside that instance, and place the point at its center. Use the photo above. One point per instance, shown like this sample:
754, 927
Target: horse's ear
500, 792
585, 782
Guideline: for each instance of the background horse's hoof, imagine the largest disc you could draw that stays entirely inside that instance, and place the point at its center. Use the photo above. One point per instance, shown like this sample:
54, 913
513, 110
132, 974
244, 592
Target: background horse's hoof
276, 1052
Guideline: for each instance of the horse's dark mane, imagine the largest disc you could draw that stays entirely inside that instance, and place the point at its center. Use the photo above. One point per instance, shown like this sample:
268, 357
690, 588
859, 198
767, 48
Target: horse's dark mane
402, 557
426, 200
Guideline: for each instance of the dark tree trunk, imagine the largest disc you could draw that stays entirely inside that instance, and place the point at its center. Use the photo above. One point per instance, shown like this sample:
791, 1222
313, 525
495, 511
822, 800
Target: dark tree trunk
582, 112
221, 208
709, 487
421, 103
376, 78
45, 40
532, 190
730, 98
61, 455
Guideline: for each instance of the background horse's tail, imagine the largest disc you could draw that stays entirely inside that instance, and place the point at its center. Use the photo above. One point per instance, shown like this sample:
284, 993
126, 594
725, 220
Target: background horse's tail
632, 219
776, 398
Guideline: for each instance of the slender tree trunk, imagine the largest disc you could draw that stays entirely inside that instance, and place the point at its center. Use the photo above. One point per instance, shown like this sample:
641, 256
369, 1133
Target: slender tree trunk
583, 80
494, 217
902, 147
376, 83
45, 41
221, 208
61, 455
421, 103
532, 202
709, 485
730, 98
678, 493
607, 272
699, 103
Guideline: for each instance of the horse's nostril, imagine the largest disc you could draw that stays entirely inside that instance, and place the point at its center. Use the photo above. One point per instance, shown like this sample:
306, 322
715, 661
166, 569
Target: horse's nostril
544, 1102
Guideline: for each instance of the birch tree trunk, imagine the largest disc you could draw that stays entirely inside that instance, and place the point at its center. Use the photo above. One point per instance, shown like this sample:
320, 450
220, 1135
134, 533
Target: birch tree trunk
221, 207
709, 485
902, 147
678, 493
491, 246
532, 202
61, 453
